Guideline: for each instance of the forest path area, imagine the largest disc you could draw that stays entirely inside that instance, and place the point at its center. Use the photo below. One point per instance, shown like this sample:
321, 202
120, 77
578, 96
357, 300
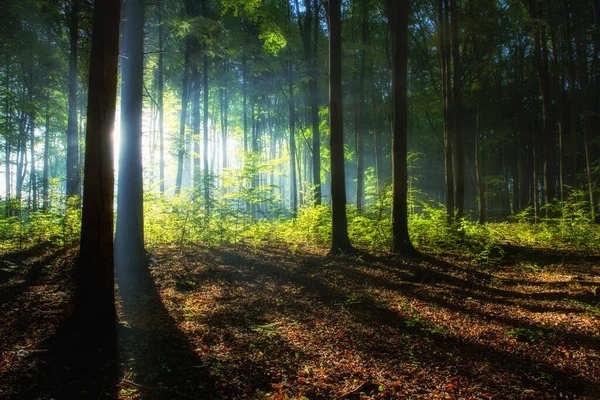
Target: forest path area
247, 322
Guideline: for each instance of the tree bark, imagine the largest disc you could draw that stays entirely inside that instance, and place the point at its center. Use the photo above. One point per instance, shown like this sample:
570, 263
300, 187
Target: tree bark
129, 240
340, 242
398, 11
96, 297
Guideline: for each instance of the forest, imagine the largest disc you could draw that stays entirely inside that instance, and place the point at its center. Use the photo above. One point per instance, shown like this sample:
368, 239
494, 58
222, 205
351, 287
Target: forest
300, 199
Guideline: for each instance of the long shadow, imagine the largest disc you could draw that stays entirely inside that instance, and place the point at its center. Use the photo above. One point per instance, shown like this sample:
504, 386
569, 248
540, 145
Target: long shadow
74, 361
157, 358
543, 257
370, 313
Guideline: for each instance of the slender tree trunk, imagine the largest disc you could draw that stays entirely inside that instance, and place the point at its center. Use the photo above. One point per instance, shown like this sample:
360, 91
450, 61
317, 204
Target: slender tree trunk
459, 161
129, 239
292, 133
446, 97
314, 100
541, 61
196, 121
96, 296
398, 23
206, 182
161, 89
340, 242
572, 138
45, 176
360, 131
182, 121
73, 173
32, 174
245, 94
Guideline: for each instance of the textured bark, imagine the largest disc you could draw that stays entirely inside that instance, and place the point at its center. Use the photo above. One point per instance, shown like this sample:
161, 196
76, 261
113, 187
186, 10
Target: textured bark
129, 239
96, 272
340, 242
397, 11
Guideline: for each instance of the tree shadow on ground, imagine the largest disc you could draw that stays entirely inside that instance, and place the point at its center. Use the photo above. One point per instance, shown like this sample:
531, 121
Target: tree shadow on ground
246, 265
54, 354
157, 358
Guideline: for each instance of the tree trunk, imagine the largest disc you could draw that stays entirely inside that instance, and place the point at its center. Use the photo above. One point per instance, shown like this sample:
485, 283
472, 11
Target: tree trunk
161, 89
340, 242
196, 121
459, 161
206, 182
398, 23
32, 175
182, 121
360, 131
446, 98
73, 173
314, 100
541, 61
129, 240
96, 296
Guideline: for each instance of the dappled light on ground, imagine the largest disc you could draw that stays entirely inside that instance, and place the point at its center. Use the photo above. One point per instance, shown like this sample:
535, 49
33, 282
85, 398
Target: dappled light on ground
245, 322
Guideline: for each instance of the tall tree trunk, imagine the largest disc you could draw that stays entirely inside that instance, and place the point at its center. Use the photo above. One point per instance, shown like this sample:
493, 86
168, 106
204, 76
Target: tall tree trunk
572, 138
129, 239
398, 23
96, 295
459, 161
314, 100
73, 173
161, 89
45, 176
478, 161
340, 242
7, 143
182, 121
292, 133
541, 62
196, 121
32, 175
360, 131
245, 95
206, 182
447, 101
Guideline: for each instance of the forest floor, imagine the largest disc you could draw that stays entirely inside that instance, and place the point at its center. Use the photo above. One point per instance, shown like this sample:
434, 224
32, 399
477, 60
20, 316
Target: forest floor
247, 322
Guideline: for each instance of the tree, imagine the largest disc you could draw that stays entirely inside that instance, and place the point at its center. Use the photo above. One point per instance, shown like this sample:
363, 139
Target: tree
397, 11
129, 240
340, 242
96, 270
73, 173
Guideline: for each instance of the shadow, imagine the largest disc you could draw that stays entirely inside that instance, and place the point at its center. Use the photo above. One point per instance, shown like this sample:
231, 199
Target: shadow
365, 311
54, 354
544, 257
157, 358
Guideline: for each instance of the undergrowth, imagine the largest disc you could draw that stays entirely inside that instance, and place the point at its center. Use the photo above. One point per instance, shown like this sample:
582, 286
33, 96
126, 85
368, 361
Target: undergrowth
256, 217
